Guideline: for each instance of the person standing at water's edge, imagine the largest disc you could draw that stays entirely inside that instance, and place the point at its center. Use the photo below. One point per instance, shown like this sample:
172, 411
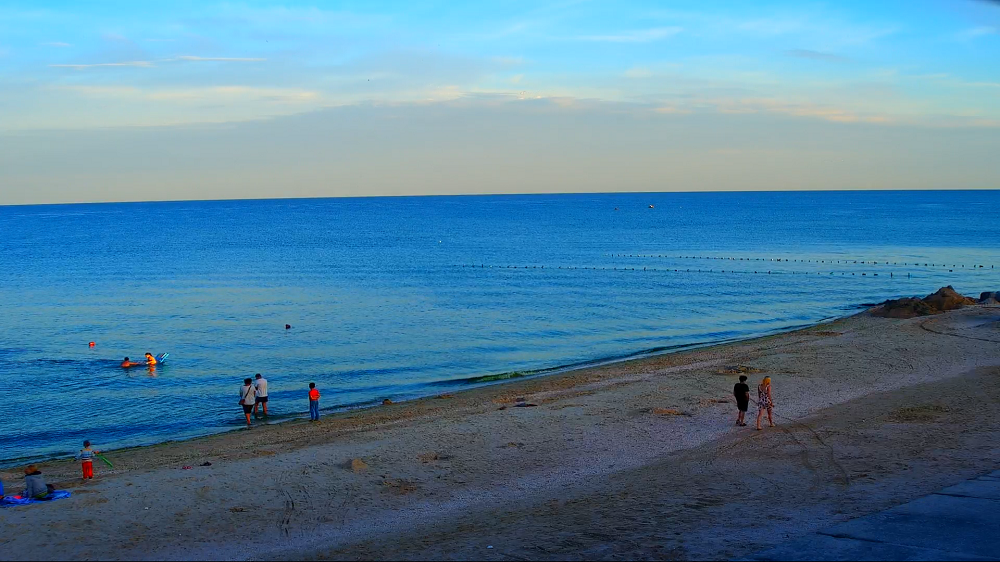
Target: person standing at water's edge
86, 456
248, 398
260, 389
742, 393
764, 402
313, 402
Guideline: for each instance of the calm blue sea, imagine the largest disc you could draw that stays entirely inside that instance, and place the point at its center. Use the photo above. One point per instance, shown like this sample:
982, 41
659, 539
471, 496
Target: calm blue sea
405, 297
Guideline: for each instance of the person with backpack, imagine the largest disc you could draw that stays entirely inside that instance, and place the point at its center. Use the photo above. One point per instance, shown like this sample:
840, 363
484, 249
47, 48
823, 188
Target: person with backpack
248, 397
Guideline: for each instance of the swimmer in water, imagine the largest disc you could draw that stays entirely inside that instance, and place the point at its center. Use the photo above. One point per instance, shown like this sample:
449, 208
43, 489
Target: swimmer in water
150, 360
128, 363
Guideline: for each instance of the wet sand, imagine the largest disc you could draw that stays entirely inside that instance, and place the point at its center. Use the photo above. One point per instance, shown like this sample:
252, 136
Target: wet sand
633, 460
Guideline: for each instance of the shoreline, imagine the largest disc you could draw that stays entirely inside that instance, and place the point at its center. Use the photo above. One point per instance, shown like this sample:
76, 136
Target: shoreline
474, 383
638, 459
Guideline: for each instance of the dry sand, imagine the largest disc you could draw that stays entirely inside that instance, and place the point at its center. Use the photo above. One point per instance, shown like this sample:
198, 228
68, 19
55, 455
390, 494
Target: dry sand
633, 460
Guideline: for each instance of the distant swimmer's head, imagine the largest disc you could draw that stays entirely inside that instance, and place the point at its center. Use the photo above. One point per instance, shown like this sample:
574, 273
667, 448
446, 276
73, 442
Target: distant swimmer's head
312, 385
743, 378
258, 376
247, 381
126, 360
148, 354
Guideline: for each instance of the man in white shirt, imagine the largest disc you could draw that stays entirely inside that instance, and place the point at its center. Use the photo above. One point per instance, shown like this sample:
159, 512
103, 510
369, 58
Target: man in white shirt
260, 386
248, 398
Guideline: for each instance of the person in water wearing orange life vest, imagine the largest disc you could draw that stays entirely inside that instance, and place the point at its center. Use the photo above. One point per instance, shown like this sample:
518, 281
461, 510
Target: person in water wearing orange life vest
150, 360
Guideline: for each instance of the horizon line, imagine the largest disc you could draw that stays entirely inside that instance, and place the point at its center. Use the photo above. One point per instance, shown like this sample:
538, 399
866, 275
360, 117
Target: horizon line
501, 194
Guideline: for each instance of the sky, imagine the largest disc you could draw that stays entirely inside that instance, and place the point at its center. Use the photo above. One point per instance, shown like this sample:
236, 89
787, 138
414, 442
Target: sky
134, 101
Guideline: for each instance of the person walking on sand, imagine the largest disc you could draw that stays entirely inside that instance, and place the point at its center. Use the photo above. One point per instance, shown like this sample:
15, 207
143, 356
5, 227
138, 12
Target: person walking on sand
248, 398
86, 458
764, 402
260, 389
313, 402
742, 393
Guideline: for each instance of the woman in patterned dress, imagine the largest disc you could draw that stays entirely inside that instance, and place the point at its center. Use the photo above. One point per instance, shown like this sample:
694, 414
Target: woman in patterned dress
764, 402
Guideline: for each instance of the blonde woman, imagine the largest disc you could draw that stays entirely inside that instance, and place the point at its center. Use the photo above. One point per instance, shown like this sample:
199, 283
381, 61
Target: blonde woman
764, 402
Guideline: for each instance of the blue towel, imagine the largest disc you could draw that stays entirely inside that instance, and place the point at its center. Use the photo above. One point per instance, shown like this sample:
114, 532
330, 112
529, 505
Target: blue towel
12, 501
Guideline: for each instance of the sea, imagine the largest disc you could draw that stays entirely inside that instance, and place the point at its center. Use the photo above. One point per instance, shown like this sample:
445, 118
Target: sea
405, 297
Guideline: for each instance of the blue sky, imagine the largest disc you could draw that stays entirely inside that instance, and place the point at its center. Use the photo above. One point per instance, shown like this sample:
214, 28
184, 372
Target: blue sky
786, 90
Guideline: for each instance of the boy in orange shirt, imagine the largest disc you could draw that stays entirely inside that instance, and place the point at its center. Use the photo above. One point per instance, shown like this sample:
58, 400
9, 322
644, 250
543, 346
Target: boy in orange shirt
313, 402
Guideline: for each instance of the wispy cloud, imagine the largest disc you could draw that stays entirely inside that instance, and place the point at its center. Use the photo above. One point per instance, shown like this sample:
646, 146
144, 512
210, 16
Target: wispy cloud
153, 63
638, 72
217, 93
669, 109
217, 59
637, 36
814, 26
769, 26
948, 80
796, 109
509, 61
816, 55
975, 32
56, 44
139, 63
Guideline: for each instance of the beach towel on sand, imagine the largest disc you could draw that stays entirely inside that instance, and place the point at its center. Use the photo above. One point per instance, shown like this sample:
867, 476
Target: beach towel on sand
14, 501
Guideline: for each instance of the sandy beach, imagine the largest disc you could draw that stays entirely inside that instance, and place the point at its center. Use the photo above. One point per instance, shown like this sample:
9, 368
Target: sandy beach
639, 459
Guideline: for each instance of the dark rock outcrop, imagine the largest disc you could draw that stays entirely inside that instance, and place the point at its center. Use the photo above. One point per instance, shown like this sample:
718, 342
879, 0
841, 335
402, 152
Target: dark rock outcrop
946, 298
991, 297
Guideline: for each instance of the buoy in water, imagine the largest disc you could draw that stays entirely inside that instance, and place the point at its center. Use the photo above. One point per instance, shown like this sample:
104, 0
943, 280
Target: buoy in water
92, 344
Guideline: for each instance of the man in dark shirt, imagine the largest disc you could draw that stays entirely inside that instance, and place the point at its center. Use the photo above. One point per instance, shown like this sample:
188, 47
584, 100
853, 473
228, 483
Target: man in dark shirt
742, 393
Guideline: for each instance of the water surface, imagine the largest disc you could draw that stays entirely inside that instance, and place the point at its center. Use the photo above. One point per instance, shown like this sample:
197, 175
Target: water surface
405, 297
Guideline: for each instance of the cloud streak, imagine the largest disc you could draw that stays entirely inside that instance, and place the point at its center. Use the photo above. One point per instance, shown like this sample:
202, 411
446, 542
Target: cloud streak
136, 63
217, 59
637, 36
816, 55
215, 93
153, 63
977, 32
